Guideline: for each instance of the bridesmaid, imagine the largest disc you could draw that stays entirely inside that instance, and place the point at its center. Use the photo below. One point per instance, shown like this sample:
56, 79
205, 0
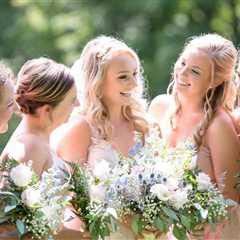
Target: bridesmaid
112, 118
46, 95
197, 109
6, 96
6, 110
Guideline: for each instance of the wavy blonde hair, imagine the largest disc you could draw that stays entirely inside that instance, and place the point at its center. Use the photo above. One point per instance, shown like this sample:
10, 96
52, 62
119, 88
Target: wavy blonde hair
223, 57
89, 71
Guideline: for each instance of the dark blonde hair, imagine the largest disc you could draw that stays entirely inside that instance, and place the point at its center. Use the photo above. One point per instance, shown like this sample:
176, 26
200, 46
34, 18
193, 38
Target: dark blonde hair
89, 71
223, 57
6, 75
42, 81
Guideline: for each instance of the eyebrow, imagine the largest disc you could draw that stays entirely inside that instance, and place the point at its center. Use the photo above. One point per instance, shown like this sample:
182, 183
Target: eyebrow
126, 71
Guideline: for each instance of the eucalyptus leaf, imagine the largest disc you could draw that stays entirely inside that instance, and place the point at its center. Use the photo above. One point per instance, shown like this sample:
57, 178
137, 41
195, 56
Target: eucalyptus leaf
179, 233
161, 225
170, 213
20, 227
137, 225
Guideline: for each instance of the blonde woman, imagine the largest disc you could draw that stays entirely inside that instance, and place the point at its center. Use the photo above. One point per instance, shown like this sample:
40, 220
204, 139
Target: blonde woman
6, 96
196, 109
46, 95
112, 114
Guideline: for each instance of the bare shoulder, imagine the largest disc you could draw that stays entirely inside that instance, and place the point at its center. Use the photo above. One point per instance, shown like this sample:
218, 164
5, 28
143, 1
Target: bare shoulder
221, 123
221, 130
160, 105
29, 147
72, 139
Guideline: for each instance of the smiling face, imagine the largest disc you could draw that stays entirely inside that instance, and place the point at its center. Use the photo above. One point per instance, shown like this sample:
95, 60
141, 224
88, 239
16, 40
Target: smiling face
193, 73
6, 105
120, 79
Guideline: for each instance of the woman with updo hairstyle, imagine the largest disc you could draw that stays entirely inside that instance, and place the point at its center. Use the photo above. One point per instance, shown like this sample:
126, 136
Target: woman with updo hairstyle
197, 108
45, 94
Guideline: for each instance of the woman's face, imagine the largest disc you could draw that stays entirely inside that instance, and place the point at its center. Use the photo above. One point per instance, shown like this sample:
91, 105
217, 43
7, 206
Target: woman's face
120, 79
193, 73
62, 111
6, 106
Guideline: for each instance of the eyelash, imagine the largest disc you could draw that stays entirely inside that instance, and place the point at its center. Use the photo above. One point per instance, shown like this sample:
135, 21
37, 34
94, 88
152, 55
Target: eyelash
193, 70
126, 77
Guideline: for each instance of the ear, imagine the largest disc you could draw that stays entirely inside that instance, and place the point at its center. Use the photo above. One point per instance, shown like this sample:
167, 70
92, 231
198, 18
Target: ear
43, 111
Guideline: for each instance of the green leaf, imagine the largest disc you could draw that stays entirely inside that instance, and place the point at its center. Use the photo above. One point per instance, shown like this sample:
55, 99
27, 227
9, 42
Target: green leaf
170, 213
186, 222
179, 233
137, 225
161, 225
20, 227
9, 208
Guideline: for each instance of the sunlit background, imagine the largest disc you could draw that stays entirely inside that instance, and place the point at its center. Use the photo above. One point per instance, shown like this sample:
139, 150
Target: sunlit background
156, 29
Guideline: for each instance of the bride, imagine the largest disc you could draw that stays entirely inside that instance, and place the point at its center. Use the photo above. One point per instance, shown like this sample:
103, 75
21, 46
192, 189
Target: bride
112, 114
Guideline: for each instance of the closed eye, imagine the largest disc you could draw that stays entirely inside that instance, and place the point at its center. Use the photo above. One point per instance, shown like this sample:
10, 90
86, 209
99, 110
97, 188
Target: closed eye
195, 72
10, 104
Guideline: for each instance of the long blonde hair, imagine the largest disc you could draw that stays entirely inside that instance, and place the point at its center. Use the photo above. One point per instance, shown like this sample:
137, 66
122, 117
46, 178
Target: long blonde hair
89, 71
223, 57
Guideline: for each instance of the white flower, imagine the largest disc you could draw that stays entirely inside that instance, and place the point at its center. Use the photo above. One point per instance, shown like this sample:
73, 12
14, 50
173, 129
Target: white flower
161, 191
97, 192
112, 211
204, 181
179, 198
193, 162
31, 197
21, 175
102, 170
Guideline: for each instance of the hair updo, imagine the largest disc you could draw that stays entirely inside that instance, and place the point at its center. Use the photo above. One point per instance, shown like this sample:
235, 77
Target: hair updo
42, 81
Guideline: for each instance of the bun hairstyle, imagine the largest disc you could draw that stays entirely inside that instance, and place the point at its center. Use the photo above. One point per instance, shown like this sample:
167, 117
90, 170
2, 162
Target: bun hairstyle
42, 81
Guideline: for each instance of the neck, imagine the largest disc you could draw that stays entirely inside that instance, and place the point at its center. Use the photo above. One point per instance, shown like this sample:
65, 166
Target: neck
190, 106
35, 126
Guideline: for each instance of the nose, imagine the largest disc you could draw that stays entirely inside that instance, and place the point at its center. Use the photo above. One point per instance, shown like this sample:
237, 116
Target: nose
183, 71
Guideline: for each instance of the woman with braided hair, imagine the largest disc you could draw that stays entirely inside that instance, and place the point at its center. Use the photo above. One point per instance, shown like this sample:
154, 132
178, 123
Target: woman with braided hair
197, 108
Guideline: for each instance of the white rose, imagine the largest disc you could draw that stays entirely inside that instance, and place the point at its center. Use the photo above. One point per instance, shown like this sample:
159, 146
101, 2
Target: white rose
112, 211
102, 170
179, 198
31, 197
204, 181
161, 191
21, 175
97, 192
193, 163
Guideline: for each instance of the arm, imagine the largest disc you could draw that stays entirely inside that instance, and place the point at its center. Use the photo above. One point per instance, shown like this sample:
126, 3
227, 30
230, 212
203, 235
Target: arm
224, 146
72, 140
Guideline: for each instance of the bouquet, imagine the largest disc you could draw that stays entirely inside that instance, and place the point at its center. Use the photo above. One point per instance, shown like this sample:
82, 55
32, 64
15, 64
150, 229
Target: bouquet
100, 220
164, 189
35, 206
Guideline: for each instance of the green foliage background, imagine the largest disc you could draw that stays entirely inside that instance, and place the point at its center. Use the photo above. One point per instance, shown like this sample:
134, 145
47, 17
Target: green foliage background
156, 29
